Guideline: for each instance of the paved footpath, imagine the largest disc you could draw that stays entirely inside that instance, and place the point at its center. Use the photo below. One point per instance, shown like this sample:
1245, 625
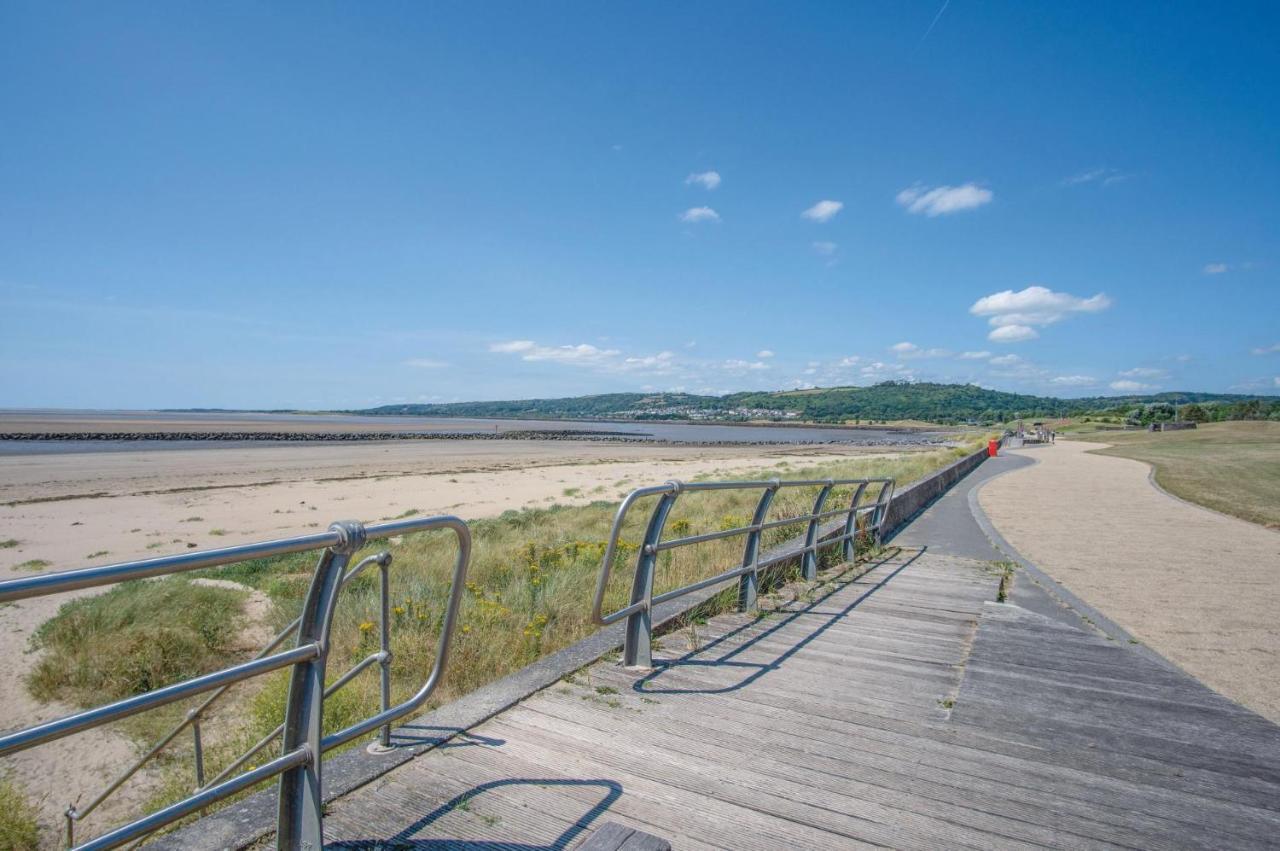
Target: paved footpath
896, 704
1201, 588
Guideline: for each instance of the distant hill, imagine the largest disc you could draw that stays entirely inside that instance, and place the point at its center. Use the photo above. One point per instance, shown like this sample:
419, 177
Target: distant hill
891, 400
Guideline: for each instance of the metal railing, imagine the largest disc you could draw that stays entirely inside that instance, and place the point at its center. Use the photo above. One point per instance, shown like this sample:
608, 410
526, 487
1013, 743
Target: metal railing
637, 647
299, 764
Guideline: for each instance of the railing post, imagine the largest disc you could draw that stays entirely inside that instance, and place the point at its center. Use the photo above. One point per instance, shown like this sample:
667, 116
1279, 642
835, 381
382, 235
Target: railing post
384, 664
882, 509
851, 524
810, 558
637, 648
749, 583
299, 821
198, 747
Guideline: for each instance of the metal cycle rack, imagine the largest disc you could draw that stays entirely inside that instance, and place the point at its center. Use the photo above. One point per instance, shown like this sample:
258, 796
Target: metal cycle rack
299, 765
637, 647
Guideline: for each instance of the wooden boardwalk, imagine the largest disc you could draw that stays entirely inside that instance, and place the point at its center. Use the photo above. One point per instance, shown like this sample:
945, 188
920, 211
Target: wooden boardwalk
897, 707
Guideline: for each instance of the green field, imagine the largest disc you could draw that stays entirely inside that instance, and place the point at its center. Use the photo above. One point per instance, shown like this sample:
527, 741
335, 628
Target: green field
1231, 467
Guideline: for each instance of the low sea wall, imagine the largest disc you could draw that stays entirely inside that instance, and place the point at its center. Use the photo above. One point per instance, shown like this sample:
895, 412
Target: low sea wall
917, 496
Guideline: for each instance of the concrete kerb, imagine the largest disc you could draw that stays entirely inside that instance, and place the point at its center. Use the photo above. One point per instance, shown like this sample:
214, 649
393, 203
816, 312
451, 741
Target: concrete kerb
253, 818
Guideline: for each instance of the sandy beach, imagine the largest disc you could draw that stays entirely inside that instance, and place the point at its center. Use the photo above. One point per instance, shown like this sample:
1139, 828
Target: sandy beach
74, 510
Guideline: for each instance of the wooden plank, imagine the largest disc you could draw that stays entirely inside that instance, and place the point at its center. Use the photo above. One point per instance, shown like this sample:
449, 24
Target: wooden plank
1071, 791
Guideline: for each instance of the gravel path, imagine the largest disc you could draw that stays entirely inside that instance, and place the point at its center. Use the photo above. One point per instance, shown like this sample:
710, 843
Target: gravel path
1201, 588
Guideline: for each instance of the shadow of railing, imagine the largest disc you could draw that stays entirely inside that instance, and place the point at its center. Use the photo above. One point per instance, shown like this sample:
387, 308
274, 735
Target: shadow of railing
418, 735
462, 803
696, 658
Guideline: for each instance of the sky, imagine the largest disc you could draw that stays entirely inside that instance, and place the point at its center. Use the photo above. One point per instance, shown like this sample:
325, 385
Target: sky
336, 205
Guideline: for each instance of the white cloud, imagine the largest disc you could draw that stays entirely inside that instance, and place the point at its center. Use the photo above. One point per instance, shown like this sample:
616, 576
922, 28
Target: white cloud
823, 211
1006, 360
826, 249
851, 360
942, 200
983, 355
1143, 372
1105, 176
425, 363
911, 350
709, 179
661, 362
736, 365
699, 214
1215, 268
513, 346
1266, 350
1131, 386
1012, 334
1073, 380
592, 357
583, 353
1015, 315
879, 371
764, 353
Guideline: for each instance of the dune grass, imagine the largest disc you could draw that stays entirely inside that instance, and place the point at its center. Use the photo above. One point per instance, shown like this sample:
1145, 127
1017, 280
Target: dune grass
1232, 467
137, 636
528, 593
18, 828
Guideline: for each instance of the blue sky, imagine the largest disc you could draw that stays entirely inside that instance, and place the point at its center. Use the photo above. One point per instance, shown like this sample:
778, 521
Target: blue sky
343, 204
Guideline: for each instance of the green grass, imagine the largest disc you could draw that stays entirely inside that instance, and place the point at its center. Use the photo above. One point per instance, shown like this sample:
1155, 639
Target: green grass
18, 829
1232, 467
9, 543
1004, 570
35, 564
137, 636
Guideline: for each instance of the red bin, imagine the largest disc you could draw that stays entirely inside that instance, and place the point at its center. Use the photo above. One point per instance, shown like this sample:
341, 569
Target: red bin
992, 447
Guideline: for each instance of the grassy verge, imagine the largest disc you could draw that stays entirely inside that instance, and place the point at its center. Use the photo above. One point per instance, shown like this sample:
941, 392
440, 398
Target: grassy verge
1232, 467
529, 592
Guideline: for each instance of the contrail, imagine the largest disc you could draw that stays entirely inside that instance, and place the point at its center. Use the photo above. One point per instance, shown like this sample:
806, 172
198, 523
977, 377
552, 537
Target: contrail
945, 4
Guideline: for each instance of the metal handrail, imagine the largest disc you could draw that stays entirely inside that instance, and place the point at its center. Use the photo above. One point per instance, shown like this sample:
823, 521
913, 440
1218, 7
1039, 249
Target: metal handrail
299, 766
193, 718
637, 646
